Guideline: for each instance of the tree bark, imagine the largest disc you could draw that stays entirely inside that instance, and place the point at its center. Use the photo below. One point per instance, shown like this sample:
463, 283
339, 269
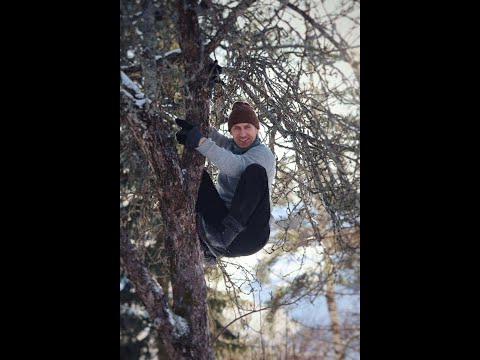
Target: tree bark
183, 329
177, 186
186, 263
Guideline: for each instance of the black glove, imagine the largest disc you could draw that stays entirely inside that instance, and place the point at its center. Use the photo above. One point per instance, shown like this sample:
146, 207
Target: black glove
193, 138
189, 135
214, 71
182, 134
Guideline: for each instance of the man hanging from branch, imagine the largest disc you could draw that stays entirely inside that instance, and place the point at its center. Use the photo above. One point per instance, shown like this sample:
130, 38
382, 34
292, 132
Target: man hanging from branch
234, 218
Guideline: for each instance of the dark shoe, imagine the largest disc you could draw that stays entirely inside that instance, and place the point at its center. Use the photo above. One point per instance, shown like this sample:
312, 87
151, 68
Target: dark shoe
218, 239
200, 228
209, 258
204, 241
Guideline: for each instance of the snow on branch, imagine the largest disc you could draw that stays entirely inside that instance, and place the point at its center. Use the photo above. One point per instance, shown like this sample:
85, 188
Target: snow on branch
138, 97
169, 53
171, 56
150, 292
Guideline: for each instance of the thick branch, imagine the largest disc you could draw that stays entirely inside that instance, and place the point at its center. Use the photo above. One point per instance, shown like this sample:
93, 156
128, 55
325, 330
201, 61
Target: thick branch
150, 294
189, 31
151, 78
170, 57
160, 152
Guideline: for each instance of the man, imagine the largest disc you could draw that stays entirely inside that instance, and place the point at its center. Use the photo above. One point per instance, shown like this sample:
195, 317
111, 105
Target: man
234, 218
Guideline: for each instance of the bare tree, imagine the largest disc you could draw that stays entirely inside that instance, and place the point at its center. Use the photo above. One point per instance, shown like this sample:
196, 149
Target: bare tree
291, 61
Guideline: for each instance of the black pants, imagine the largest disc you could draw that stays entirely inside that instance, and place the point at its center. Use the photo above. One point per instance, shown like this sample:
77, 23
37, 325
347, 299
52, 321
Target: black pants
250, 207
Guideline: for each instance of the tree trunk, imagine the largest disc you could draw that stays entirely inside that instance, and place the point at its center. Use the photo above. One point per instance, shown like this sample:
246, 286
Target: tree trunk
183, 329
331, 304
177, 184
176, 194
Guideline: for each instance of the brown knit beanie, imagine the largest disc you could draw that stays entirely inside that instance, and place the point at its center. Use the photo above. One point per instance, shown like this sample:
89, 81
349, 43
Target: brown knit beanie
242, 112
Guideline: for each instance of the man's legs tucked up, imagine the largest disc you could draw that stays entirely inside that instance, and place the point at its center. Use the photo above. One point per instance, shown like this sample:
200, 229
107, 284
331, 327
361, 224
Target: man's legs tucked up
209, 203
245, 229
211, 208
251, 208
251, 197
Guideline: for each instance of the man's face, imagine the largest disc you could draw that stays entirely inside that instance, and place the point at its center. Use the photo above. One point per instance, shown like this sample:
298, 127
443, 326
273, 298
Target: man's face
244, 134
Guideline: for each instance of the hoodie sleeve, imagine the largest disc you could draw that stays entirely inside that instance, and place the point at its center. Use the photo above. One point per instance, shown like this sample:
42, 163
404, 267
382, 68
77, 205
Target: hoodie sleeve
218, 138
234, 165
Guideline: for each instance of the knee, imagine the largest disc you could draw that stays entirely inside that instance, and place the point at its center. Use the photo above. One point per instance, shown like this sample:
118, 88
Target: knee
255, 170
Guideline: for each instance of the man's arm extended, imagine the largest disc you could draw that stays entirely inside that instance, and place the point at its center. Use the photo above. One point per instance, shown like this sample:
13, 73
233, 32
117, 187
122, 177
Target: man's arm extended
234, 165
218, 138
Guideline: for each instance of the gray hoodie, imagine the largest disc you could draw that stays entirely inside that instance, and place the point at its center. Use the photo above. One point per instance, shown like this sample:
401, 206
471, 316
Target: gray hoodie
231, 166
